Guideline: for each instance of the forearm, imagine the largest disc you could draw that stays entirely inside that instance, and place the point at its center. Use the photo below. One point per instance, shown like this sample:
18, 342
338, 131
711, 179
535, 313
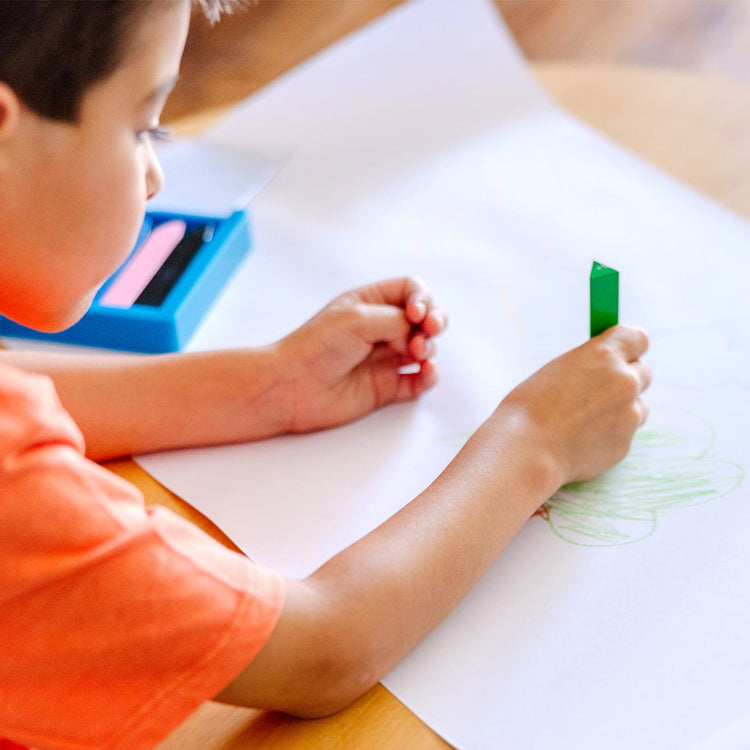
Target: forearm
348, 624
137, 404
357, 616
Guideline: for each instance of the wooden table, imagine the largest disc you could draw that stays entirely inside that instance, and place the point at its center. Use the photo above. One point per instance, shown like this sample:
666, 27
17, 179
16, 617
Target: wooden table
696, 127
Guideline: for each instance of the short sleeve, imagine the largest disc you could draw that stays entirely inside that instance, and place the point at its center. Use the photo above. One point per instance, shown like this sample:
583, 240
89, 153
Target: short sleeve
116, 621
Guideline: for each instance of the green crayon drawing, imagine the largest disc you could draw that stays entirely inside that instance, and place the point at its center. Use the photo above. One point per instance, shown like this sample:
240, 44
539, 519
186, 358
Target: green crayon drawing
670, 466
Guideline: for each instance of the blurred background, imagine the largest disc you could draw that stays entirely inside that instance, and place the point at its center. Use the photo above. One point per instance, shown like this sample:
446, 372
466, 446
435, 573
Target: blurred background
244, 51
668, 79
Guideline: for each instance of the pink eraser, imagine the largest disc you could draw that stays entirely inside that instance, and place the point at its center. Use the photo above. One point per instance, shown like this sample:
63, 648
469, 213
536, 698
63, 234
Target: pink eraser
144, 264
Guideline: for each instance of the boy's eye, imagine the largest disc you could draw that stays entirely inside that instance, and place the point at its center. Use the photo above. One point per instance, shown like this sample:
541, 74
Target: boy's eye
157, 134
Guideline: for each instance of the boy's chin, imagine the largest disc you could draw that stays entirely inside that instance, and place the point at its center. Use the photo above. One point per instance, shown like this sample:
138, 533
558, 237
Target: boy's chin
72, 318
59, 320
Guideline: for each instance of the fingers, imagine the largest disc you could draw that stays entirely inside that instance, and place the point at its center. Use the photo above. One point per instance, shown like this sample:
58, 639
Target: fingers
643, 376
426, 319
632, 342
642, 373
423, 380
421, 347
378, 323
381, 324
396, 291
414, 383
642, 410
420, 309
412, 296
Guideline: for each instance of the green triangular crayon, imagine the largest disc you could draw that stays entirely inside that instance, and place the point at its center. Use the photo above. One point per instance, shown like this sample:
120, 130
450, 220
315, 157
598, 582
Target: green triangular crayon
604, 286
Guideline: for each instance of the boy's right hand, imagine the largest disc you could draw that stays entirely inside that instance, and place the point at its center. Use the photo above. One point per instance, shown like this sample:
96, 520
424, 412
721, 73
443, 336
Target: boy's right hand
349, 623
583, 408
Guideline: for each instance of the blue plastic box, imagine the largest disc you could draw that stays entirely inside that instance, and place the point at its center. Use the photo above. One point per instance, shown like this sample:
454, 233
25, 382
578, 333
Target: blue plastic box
168, 327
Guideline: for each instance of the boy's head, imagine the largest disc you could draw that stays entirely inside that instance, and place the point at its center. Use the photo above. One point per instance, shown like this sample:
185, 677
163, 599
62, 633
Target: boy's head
51, 51
81, 86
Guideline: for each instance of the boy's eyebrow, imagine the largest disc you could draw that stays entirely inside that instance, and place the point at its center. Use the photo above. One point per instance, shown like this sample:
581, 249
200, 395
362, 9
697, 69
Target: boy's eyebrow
161, 92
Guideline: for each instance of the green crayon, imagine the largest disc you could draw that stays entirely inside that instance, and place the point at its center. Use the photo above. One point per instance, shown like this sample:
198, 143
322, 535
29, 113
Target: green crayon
604, 289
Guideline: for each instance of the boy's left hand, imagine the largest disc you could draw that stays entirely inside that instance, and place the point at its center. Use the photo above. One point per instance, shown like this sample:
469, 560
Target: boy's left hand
348, 359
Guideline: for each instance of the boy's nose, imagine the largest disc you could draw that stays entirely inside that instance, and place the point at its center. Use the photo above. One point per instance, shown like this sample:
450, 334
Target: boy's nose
154, 174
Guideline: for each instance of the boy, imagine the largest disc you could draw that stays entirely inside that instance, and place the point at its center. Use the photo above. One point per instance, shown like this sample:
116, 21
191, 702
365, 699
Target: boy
117, 622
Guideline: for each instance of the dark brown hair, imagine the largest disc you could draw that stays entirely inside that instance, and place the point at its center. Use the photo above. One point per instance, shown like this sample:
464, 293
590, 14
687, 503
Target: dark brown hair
52, 51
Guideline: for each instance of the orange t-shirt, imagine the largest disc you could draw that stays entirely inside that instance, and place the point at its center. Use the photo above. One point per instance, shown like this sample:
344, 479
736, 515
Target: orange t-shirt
116, 621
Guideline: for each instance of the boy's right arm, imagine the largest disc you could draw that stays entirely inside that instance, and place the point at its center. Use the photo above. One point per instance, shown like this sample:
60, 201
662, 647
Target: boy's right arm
350, 622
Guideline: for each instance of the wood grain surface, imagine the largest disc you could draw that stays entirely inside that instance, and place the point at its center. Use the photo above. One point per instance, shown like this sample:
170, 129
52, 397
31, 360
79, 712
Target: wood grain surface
244, 51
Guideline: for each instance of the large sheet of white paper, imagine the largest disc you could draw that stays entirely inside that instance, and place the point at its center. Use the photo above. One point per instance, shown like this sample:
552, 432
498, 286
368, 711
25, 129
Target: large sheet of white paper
618, 618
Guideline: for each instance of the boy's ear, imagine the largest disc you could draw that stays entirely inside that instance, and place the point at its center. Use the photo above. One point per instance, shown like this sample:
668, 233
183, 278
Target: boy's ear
10, 109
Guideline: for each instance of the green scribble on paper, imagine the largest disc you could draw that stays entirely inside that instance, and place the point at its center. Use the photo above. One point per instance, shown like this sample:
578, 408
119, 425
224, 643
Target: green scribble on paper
670, 466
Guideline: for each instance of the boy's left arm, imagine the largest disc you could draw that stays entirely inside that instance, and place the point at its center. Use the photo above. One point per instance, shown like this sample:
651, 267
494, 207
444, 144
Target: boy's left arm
346, 361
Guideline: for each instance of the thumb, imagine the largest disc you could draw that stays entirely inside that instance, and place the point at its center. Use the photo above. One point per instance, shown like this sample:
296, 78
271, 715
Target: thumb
377, 324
